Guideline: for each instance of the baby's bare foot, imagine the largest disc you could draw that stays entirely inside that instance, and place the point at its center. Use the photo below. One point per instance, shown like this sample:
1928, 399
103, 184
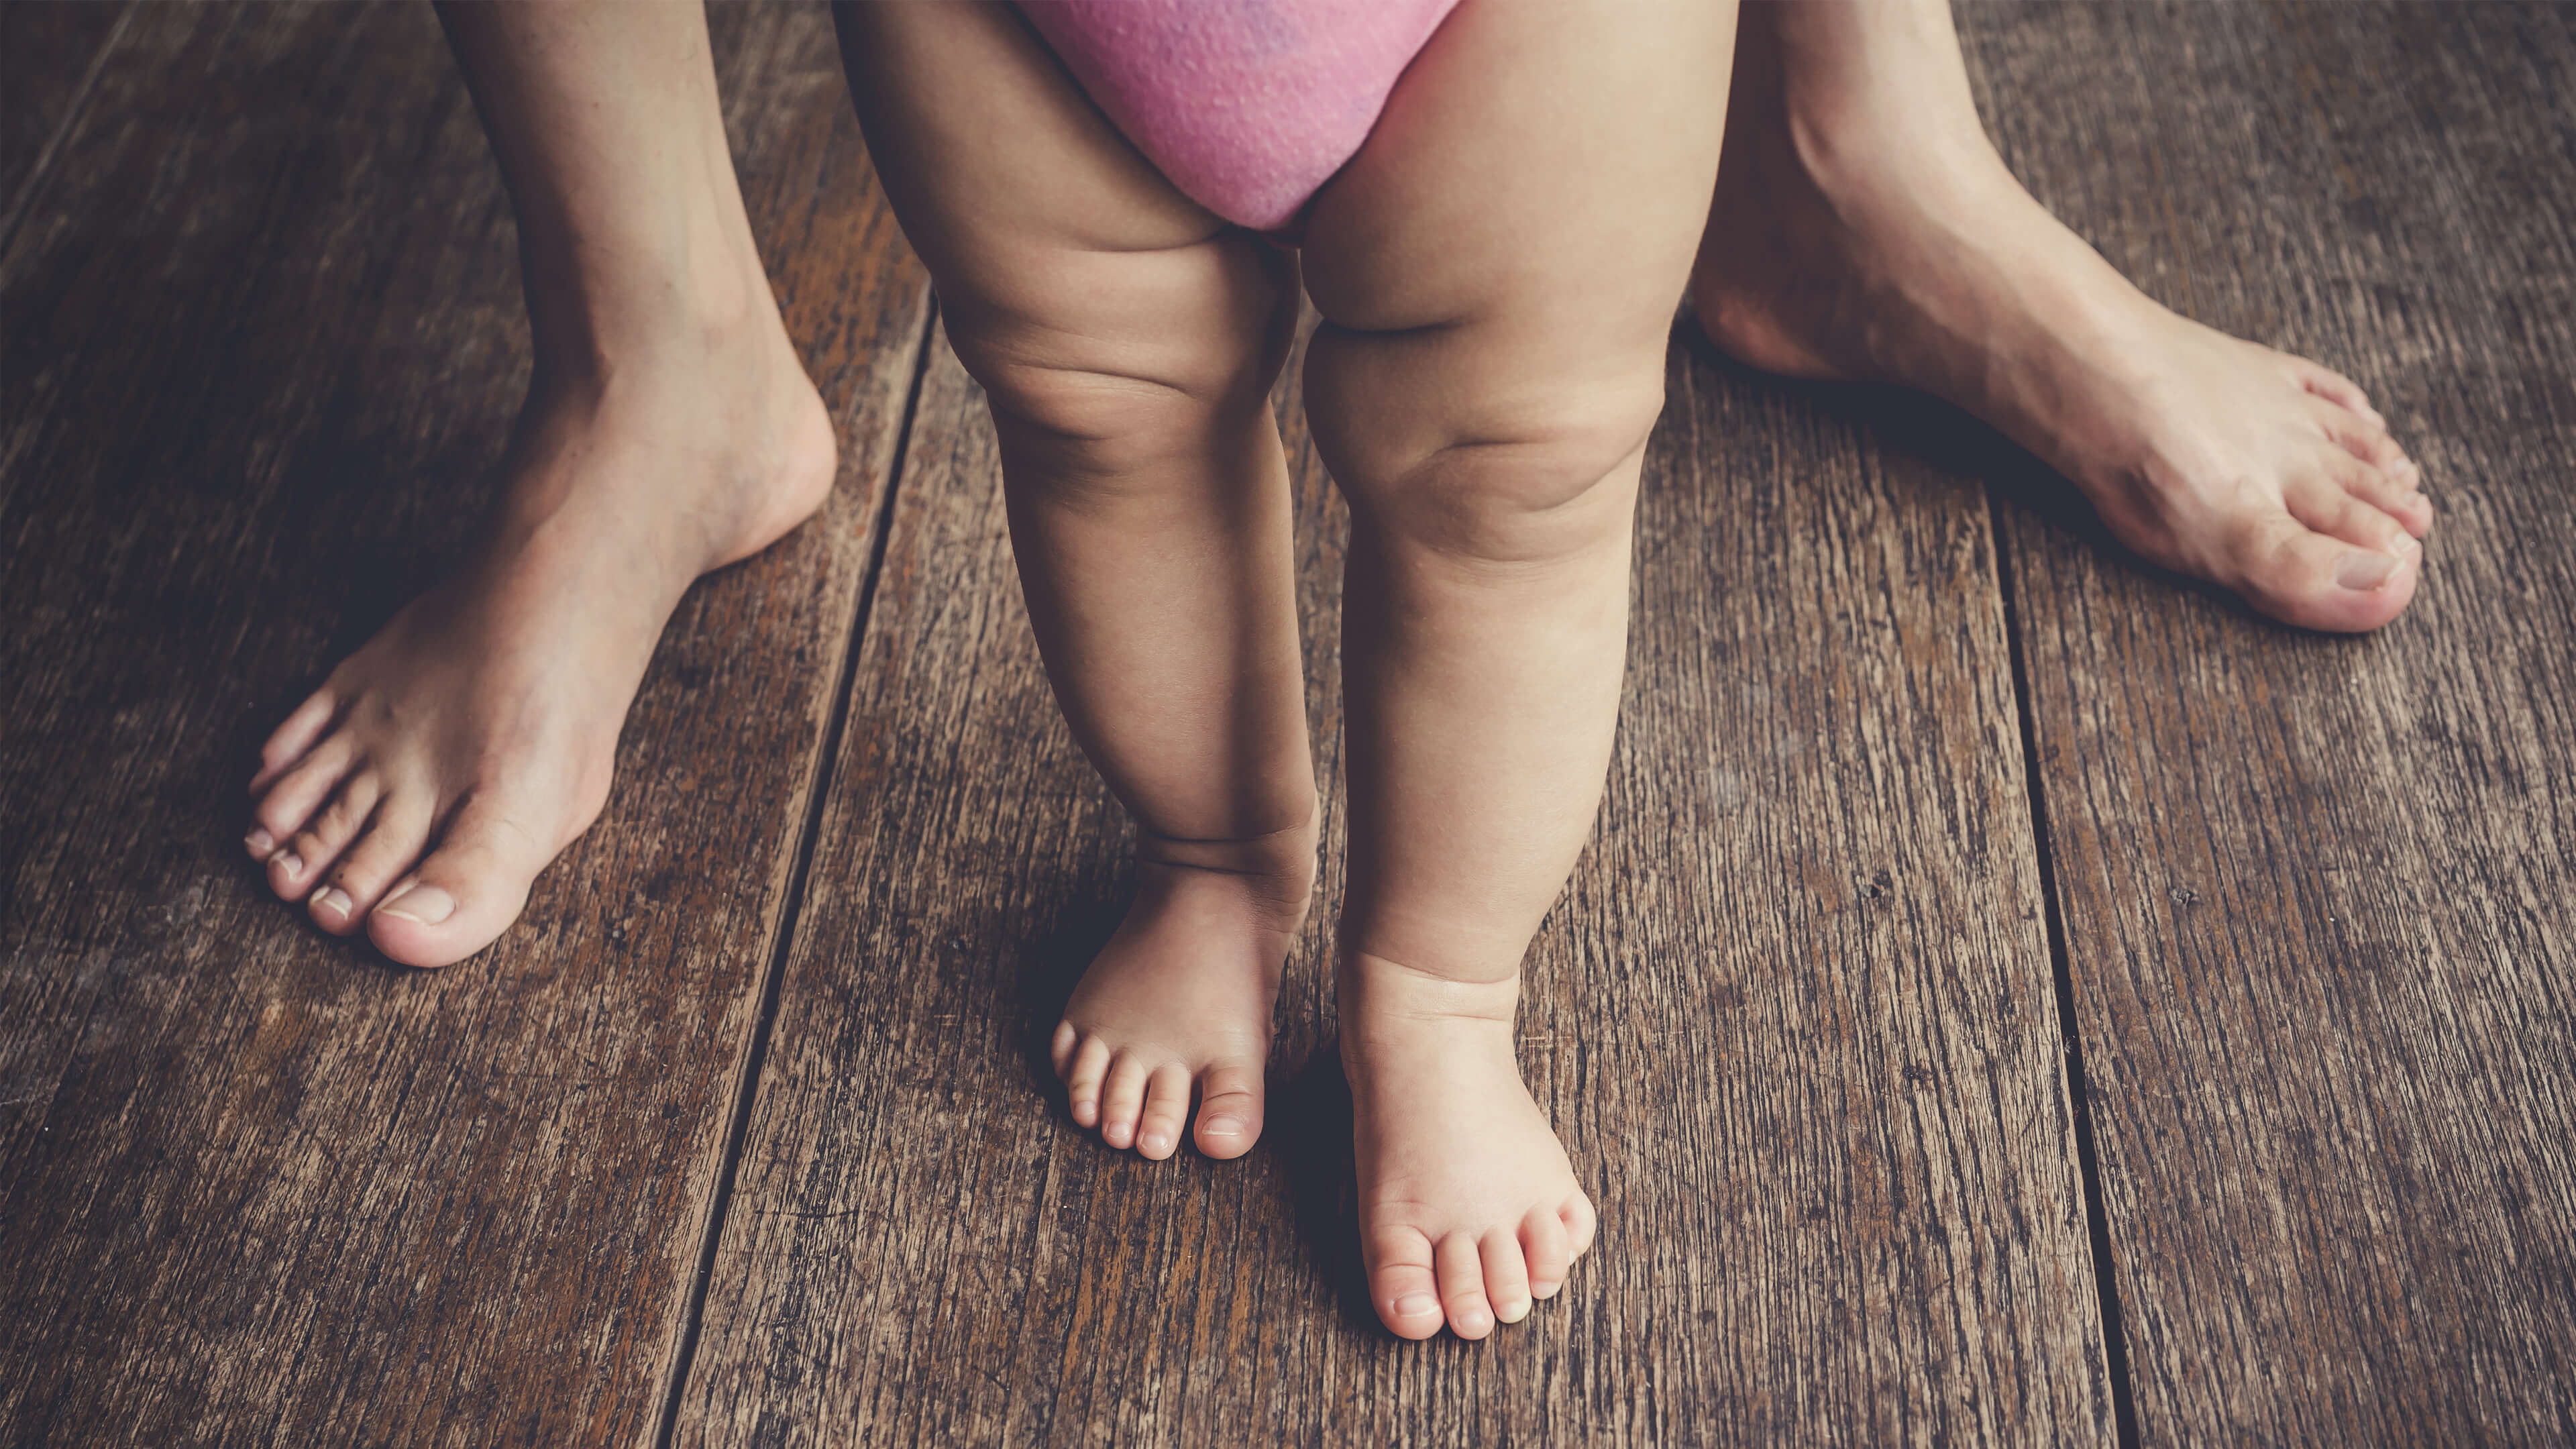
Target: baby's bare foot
1849, 245
424, 786
1469, 1210
1181, 997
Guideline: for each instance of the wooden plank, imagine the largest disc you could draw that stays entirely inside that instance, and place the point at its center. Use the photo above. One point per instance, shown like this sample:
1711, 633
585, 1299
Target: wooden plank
49, 55
257, 1186
2315, 891
1795, 1020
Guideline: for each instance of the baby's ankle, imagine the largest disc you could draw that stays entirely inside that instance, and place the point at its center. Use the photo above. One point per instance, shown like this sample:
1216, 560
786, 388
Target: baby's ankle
1272, 871
1389, 1006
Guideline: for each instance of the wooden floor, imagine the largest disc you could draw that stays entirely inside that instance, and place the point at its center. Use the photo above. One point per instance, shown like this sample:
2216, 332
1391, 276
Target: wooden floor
2011, 998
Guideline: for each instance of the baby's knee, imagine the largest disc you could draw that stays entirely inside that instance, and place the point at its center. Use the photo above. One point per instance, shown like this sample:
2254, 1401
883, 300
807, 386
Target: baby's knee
1101, 372
1480, 460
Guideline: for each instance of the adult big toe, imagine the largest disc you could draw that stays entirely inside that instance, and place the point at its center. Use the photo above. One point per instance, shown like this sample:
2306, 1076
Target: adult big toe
464, 895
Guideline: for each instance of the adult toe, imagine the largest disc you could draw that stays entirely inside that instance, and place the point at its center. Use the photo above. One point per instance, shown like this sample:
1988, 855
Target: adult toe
1230, 1109
2317, 580
309, 855
389, 847
466, 892
2333, 386
294, 737
291, 800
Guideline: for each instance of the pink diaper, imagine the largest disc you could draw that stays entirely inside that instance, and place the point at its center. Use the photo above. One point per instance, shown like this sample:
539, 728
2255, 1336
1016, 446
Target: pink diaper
1249, 106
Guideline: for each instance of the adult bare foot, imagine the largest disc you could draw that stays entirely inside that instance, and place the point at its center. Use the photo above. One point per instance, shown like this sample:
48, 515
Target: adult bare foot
1181, 997
1865, 229
1469, 1210
421, 789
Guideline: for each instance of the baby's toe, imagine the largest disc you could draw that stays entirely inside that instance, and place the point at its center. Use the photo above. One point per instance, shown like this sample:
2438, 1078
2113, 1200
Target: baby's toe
1229, 1109
1402, 1284
1546, 1251
1507, 1276
1122, 1097
1460, 1270
1167, 1106
1580, 1222
1082, 1080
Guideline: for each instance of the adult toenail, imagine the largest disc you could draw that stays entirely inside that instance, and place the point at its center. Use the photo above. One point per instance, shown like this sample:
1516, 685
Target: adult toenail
1221, 1127
260, 843
1415, 1305
293, 863
332, 899
424, 905
2361, 572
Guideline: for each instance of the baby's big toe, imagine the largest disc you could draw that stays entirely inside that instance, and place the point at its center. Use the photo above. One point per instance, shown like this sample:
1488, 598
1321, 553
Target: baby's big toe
1229, 1109
1402, 1285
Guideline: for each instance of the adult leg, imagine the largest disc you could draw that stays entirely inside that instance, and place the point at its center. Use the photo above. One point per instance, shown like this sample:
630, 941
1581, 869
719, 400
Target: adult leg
1497, 271
1126, 340
1865, 228
669, 429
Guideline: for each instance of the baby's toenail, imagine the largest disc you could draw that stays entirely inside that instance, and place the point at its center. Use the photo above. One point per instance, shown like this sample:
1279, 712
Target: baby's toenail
1544, 1290
2362, 572
334, 900
2417, 499
1221, 1127
1415, 1305
1515, 1311
424, 905
260, 843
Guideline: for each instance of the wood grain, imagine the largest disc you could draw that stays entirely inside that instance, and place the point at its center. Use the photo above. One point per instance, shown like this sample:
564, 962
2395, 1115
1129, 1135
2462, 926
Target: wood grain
1794, 1019
49, 55
2316, 891
256, 1186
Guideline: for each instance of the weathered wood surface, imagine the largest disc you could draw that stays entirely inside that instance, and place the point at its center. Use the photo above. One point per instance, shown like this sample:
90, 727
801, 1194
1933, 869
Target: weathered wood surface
263, 343
2316, 892
49, 55
1795, 1021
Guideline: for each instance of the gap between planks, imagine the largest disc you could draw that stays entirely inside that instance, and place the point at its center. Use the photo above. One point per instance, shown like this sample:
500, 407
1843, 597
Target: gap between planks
791, 907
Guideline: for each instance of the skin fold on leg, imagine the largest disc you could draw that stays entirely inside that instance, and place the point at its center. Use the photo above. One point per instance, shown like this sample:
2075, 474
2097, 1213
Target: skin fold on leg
1497, 270
1126, 339
1864, 228
669, 429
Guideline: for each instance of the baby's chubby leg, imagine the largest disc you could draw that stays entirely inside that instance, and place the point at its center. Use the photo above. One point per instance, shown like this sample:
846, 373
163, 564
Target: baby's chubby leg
1498, 270
1127, 340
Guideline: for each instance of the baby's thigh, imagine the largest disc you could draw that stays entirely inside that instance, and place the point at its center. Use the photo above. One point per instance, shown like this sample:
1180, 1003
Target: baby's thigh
1058, 251
1499, 267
